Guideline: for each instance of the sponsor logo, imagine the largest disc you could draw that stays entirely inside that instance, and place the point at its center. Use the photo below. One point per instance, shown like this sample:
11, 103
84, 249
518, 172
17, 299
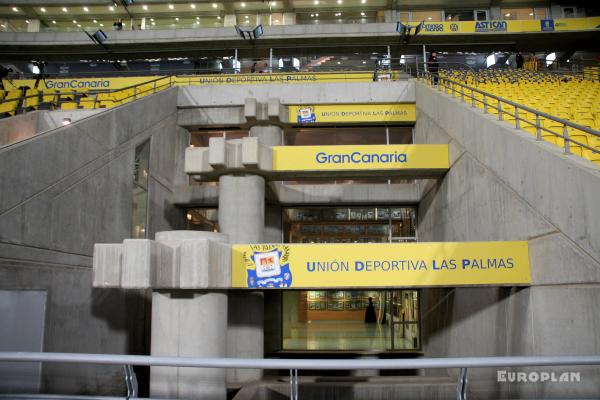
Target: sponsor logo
306, 115
454, 27
434, 27
270, 269
77, 84
490, 26
547, 25
533, 377
361, 158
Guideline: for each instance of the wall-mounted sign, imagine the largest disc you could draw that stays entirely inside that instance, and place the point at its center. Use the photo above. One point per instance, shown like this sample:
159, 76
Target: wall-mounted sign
368, 157
380, 265
509, 26
352, 113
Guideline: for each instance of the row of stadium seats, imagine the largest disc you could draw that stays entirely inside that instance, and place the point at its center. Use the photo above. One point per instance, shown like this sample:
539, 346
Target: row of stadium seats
13, 102
568, 97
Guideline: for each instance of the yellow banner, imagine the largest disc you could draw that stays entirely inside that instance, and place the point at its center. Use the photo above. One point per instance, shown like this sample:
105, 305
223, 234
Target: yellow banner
82, 84
294, 77
369, 157
509, 26
380, 265
352, 113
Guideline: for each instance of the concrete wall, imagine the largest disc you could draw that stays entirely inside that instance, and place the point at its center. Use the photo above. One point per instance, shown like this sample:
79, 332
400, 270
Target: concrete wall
61, 192
23, 126
504, 185
292, 93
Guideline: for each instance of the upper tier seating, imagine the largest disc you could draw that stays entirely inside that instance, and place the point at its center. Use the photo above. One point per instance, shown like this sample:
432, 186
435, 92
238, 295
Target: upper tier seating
573, 98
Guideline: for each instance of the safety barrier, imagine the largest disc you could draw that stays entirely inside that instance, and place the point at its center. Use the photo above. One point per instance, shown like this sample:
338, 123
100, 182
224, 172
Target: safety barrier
293, 365
568, 138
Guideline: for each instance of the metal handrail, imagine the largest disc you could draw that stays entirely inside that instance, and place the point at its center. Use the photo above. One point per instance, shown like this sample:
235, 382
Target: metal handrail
293, 365
516, 107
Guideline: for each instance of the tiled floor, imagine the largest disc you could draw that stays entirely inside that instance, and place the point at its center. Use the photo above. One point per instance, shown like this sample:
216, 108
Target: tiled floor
342, 335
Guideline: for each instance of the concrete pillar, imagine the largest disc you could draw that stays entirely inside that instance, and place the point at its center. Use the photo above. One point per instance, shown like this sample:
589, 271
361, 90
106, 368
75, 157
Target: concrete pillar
269, 135
242, 218
33, 25
229, 20
188, 323
143, 23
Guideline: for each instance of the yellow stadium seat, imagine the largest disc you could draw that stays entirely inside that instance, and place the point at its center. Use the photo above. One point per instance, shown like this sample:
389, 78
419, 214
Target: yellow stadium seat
68, 106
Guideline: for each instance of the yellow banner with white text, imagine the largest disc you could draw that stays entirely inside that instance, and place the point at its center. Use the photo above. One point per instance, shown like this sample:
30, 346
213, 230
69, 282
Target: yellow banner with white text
359, 157
376, 265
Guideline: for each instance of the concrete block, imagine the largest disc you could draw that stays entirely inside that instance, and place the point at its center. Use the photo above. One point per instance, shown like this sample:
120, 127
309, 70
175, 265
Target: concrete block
107, 263
196, 160
139, 257
250, 154
250, 109
233, 154
274, 109
216, 152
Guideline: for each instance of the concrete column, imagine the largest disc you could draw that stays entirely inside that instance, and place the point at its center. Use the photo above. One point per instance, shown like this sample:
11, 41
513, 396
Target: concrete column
269, 135
188, 323
242, 217
229, 20
143, 23
33, 25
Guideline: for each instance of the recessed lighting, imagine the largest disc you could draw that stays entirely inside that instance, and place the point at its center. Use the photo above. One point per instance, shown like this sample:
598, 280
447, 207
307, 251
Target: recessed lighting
189, 216
2, 26
154, 23
94, 21
531, 14
74, 21
215, 5
363, 1
101, 24
86, 9
312, 15
15, 9
364, 62
42, 9
429, 18
362, 14
145, 7
317, 14
152, 19
111, 8
54, 22
243, 4
507, 15
273, 4
276, 21
26, 21
246, 17
192, 6
197, 22
338, 63
78, 25
340, 1
171, 6
218, 17
197, 17
64, 9
176, 18
316, 2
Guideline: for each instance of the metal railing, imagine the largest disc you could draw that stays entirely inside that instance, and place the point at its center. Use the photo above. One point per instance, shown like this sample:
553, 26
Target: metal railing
294, 365
58, 97
32, 102
504, 108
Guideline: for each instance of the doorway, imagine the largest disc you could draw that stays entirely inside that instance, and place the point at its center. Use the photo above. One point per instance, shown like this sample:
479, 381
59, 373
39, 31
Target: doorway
338, 320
